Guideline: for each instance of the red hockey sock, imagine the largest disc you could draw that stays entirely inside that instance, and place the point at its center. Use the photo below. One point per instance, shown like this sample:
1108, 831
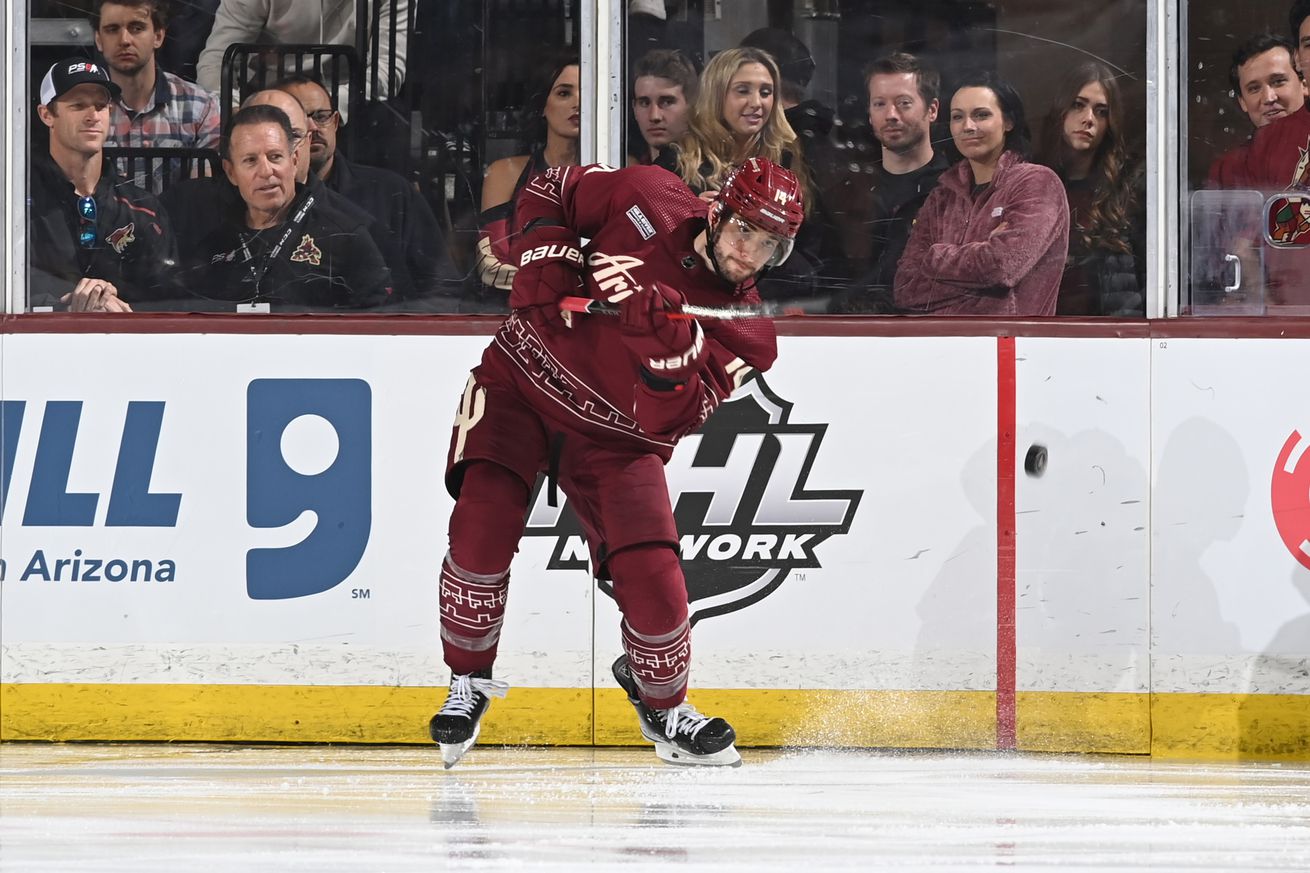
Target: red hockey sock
485, 529
652, 595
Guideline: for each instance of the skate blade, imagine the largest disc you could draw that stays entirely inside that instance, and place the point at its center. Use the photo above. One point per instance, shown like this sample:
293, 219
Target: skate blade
452, 752
671, 754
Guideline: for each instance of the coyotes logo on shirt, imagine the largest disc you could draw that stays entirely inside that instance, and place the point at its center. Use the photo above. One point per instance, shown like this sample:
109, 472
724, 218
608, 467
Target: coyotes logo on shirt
1301, 175
122, 237
307, 252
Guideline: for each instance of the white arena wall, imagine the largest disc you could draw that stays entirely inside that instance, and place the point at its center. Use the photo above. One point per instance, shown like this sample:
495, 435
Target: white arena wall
234, 535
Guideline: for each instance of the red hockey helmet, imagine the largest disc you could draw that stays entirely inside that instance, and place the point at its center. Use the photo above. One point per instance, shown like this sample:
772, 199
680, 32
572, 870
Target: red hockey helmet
769, 197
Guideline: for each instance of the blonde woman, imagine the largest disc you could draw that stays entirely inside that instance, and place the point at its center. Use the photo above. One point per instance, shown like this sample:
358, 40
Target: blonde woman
738, 115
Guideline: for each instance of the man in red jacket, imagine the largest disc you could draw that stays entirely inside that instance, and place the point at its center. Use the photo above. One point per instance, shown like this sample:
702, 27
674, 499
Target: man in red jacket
1279, 160
1266, 88
598, 403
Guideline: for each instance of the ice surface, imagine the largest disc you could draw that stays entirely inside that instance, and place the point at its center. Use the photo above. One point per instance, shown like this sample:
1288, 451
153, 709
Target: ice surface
225, 808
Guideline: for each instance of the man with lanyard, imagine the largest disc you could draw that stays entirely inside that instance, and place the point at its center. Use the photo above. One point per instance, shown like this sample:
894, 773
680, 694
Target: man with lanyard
98, 243
598, 402
278, 245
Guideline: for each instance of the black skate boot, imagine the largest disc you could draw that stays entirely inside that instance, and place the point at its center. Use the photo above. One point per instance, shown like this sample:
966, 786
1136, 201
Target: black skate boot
455, 728
681, 735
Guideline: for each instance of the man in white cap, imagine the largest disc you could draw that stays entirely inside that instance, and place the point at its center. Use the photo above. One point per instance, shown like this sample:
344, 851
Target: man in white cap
98, 243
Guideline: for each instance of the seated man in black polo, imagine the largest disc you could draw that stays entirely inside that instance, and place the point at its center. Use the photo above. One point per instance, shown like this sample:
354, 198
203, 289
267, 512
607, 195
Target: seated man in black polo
277, 246
426, 278
98, 243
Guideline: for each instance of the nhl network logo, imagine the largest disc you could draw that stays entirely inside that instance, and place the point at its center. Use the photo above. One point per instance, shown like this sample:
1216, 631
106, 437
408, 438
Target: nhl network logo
740, 495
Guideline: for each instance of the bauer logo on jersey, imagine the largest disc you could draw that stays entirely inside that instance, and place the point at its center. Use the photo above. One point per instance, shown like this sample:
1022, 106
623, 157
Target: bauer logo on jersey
747, 512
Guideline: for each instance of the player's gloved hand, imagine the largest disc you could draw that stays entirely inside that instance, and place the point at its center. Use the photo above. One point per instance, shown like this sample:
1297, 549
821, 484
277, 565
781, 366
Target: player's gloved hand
668, 349
549, 267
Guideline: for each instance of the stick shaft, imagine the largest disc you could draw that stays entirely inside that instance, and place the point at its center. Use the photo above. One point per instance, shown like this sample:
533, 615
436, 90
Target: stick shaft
687, 312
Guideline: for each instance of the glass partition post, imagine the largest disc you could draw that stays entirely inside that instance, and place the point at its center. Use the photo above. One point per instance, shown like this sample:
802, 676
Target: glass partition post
13, 152
1163, 149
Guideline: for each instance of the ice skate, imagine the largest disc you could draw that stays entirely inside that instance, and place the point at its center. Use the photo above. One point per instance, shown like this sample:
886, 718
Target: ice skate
455, 728
681, 734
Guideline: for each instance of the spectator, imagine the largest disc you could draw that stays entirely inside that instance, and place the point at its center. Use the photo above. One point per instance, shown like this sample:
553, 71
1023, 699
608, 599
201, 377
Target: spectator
1083, 141
279, 244
993, 236
1298, 20
1266, 87
156, 109
664, 85
424, 269
554, 123
903, 104
98, 243
733, 119
1277, 158
283, 22
197, 207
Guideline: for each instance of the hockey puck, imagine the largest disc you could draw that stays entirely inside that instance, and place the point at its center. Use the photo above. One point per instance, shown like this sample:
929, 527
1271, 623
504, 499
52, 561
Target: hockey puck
1034, 464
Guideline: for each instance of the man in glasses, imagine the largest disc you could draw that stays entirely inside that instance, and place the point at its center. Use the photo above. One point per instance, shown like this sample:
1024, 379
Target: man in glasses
597, 402
424, 274
98, 243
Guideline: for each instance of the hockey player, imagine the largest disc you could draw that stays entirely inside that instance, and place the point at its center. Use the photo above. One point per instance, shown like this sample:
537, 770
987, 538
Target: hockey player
597, 403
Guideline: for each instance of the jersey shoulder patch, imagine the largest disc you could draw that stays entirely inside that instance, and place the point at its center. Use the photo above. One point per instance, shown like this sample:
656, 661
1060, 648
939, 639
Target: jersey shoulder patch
641, 222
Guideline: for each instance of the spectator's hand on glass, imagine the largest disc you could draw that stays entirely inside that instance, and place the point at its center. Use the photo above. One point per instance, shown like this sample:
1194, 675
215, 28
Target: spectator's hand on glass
709, 196
94, 295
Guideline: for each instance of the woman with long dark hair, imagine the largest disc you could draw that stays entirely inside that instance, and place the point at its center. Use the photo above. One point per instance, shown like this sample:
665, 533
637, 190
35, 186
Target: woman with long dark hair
991, 238
1083, 141
551, 140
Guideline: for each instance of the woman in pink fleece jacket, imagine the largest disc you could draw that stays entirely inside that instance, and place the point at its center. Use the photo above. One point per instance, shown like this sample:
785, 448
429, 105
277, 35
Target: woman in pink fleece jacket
993, 236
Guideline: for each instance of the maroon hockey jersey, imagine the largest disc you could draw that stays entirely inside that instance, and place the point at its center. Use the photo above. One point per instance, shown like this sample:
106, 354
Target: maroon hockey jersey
638, 225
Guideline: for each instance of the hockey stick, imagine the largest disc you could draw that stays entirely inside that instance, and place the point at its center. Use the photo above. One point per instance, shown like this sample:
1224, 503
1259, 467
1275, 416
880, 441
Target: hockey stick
686, 313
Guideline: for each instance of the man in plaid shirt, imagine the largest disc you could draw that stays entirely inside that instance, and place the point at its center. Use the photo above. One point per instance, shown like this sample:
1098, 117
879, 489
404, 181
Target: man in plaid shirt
156, 109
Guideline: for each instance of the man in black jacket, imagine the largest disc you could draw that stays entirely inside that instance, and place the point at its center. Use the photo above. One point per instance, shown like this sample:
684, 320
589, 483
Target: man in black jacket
98, 244
277, 244
903, 104
425, 276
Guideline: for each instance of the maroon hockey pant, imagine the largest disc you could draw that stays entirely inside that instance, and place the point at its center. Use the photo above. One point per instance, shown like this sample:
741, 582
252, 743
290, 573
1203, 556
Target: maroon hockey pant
621, 499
